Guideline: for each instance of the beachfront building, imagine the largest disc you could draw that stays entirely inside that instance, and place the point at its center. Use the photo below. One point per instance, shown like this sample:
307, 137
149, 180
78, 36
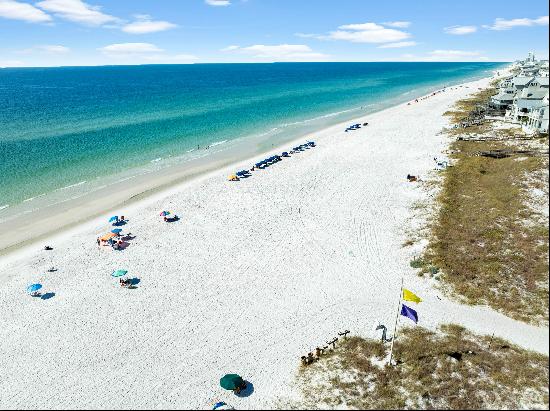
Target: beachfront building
537, 119
529, 99
524, 97
504, 99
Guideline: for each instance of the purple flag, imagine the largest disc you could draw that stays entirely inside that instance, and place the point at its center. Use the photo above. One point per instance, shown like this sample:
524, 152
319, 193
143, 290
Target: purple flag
409, 312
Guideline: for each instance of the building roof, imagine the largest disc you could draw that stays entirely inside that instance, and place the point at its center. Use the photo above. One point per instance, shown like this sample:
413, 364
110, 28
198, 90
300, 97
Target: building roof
532, 93
543, 81
522, 81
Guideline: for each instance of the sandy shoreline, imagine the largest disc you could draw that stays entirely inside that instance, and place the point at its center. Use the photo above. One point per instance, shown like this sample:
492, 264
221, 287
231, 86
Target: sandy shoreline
254, 275
37, 225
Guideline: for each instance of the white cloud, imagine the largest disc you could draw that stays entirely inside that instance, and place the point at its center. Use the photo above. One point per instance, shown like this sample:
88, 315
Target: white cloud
460, 30
453, 54
55, 49
398, 24
230, 48
77, 11
363, 33
145, 25
281, 52
218, 2
503, 24
130, 48
171, 59
446, 55
11, 63
398, 45
144, 53
15, 10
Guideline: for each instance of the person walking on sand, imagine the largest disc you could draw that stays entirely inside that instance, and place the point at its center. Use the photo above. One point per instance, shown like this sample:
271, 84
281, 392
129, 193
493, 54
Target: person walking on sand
98, 242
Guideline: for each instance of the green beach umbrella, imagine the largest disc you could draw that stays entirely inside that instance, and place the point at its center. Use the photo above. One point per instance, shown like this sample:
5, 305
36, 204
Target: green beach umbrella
119, 273
231, 381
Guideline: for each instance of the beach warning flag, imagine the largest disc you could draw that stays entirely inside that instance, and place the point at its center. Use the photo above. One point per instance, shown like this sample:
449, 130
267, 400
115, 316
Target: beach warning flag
409, 313
410, 296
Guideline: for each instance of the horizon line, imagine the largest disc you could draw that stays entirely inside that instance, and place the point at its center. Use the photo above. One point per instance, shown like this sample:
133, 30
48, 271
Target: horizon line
258, 62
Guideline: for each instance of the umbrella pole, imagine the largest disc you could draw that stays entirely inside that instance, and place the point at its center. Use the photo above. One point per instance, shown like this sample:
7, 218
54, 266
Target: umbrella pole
396, 318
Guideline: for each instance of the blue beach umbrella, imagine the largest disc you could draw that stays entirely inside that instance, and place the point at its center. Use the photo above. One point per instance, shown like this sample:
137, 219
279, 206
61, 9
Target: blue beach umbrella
34, 287
116, 230
113, 218
164, 213
119, 273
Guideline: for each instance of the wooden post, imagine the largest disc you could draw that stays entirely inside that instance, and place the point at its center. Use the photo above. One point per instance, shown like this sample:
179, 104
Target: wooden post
396, 318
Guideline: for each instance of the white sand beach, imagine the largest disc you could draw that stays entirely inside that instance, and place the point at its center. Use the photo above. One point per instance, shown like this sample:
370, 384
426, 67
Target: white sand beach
255, 274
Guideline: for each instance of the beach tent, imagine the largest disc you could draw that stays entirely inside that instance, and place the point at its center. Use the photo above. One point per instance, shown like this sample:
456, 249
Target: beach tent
119, 273
107, 236
222, 406
34, 287
164, 213
231, 381
116, 230
113, 218
233, 177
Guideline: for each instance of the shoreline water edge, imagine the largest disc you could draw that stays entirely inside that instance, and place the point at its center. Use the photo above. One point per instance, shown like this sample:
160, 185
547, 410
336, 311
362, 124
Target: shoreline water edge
37, 223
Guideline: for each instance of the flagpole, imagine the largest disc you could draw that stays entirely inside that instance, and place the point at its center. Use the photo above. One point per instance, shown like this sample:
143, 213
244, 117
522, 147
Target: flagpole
396, 318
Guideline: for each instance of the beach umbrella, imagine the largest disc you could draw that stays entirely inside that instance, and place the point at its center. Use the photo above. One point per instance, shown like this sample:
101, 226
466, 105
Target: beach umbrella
113, 218
34, 287
222, 406
119, 273
231, 381
164, 213
116, 230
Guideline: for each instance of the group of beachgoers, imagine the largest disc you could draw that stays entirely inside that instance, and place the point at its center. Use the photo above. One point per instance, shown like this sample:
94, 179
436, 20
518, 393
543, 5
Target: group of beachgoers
114, 238
269, 161
416, 100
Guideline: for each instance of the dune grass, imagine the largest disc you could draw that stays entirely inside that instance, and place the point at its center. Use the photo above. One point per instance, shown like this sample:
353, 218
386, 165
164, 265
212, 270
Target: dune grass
450, 369
490, 243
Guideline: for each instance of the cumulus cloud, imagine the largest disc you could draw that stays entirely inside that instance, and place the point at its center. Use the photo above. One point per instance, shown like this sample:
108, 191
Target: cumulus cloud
218, 2
281, 52
55, 49
453, 54
398, 45
503, 24
230, 48
363, 33
144, 53
460, 30
446, 55
398, 24
11, 9
129, 48
77, 11
146, 25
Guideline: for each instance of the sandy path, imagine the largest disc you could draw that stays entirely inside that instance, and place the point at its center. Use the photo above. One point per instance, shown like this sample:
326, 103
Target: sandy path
254, 275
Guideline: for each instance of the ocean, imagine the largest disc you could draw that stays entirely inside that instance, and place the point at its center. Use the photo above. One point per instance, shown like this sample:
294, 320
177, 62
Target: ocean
68, 131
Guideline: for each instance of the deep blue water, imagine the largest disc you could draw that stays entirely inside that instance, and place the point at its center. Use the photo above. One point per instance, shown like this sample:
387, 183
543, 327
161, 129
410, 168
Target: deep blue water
62, 126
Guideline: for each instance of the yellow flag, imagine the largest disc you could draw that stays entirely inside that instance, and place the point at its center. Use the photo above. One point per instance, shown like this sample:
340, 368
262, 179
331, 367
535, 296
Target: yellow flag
410, 296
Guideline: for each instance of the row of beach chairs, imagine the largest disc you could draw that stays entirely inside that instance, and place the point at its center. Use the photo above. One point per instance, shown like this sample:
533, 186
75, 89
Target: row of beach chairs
270, 161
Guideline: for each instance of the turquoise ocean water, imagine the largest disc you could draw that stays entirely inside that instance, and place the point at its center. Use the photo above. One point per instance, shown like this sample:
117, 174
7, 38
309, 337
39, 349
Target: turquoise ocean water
70, 130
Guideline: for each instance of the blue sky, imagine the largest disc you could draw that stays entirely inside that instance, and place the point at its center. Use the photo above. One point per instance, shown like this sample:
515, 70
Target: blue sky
99, 32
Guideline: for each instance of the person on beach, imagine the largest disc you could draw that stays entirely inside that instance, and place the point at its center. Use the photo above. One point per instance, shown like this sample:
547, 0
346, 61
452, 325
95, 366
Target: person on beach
98, 241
